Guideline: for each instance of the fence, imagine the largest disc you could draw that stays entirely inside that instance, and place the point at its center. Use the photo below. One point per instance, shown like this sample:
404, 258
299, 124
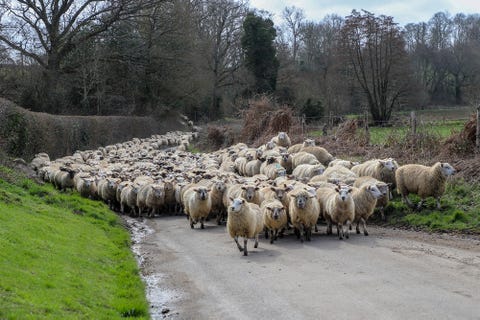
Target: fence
413, 123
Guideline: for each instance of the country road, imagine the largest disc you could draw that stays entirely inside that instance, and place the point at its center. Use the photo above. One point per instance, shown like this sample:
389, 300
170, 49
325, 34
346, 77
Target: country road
391, 274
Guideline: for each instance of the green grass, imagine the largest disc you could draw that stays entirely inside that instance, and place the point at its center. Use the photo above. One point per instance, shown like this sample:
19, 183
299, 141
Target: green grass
460, 210
63, 256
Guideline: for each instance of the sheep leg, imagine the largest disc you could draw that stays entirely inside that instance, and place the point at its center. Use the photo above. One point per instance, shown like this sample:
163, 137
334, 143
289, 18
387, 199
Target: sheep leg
308, 233
297, 233
256, 241
340, 231
357, 228
365, 232
346, 232
191, 222
420, 204
266, 232
302, 233
202, 220
275, 234
316, 227
408, 201
439, 207
238, 244
271, 236
219, 218
382, 213
245, 252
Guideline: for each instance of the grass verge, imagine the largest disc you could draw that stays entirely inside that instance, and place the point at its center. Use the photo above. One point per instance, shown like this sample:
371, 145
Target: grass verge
460, 210
63, 256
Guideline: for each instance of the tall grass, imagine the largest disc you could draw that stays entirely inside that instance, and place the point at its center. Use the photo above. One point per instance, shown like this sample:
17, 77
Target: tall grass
63, 256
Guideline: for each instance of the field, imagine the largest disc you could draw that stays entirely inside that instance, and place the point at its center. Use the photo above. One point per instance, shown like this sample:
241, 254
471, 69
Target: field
63, 256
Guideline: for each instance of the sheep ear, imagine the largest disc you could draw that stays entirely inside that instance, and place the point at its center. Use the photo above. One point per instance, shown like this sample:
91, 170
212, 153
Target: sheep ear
244, 188
441, 164
381, 162
257, 188
231, 199
350, 190
273, 189
337, 189
269, 208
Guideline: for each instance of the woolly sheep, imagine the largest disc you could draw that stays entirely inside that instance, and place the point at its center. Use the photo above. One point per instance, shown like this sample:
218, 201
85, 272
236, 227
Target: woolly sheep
365, 199
128, 198
218, 189
282, 140
274, 218
244, 220
337, 207
423, 181
107, 191
304, 210
320, 153
303, 158
383, 201
308, 170
383, 170
248, 192
252, 168
286, 162
40, 160
197, 204
87, 187
297, 147
337, 174
63, 178
345, 163
151, 197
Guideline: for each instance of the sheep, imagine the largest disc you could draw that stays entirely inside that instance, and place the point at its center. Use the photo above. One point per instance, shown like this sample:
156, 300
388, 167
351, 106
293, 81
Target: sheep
247, 191
87, 187
252, 168
151, 197
308, 170
304, 210
336, 174
63, 178
40, 160
107, 191
423, 181
345, 163
321, 154
337, 207
282, 140
286, 162
216, 194
272, 169
197, 204
365, 199
244, 220
274, 218
303, 158
383, 170
383, 201
128, 197
297, 147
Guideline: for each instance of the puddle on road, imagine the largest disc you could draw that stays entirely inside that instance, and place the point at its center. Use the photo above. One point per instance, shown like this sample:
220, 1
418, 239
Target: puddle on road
158, 295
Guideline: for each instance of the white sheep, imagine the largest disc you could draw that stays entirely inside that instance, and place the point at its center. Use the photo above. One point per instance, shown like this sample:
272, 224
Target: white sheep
244, 220
380, 169
304, 210
337, 207
197, 204
297, 147
107, 191
252, 168
282, 140
151, 197
63, 178
384, 188
336, 174
423, 181
303, 158
274, 218
345, 163
320, 153
308, 170
365, 199
128, 198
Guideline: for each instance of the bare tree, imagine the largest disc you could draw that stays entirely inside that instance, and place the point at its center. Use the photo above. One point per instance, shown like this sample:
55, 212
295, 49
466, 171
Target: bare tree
294, 18
374, 48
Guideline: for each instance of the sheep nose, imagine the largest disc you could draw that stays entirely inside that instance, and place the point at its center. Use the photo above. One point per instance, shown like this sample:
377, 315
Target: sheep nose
343, 198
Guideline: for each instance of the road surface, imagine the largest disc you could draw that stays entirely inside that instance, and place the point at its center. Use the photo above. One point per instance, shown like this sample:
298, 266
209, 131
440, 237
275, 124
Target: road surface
391, 274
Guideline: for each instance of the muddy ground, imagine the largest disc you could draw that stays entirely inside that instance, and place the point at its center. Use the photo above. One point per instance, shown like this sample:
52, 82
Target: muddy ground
391, 274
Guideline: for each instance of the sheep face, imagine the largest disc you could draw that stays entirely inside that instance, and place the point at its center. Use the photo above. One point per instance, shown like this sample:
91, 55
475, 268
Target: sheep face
383, 188
220, 186
249, 192
285, 157
309, 143
344, 192
202, 193
301, 200
275, 212
389, 164
375, 192
447, 169
158, 191
236, 204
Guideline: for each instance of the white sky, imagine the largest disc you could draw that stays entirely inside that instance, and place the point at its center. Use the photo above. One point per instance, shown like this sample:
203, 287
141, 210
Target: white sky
402, 11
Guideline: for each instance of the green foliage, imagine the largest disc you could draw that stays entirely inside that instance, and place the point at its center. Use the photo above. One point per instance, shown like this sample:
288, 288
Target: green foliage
260, 53
460, 210
15, 129
313, 109
63, 256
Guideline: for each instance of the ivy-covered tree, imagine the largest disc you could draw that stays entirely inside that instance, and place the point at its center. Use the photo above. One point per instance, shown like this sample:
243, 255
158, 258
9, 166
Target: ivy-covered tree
260, 53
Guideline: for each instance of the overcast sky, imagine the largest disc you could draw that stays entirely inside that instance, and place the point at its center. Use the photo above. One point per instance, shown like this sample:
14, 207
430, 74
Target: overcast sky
403, 11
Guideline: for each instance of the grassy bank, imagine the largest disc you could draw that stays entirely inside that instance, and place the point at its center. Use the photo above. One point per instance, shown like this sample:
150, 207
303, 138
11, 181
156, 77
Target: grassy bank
63, 257
460, 210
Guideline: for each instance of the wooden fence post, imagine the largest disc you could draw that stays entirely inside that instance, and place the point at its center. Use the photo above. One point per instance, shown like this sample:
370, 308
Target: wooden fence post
413, 122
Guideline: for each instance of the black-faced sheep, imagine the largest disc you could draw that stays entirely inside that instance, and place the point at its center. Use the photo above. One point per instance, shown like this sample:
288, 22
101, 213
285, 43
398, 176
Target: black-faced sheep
244, 220
423, 181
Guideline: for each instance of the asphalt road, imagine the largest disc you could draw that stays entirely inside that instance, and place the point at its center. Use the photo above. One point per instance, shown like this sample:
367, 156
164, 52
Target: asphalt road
391, 274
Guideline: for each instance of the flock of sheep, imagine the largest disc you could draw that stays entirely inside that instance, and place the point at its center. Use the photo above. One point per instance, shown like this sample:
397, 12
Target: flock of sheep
274, 188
